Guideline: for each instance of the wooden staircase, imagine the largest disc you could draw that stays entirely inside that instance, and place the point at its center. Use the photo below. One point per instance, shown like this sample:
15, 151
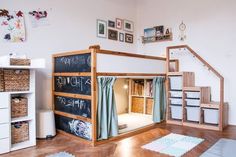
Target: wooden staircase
187, 80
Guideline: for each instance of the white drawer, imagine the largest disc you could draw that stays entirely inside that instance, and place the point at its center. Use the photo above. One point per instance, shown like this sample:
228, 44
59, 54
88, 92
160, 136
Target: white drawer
5, 116
5, 99
5, 131
4, 145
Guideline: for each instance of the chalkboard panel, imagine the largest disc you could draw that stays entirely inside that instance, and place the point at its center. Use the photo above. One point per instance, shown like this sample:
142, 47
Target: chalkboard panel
75, 127
73, 63
74, 106
73, 84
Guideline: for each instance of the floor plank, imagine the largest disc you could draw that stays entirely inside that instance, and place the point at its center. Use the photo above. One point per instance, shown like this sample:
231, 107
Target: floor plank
129, 147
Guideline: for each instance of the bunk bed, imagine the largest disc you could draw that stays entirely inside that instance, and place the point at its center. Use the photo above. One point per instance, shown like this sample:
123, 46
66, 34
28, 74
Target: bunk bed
75, 88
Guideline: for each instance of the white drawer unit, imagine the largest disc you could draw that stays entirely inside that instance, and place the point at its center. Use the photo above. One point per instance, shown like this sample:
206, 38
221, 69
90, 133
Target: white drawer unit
5, 131
4, 145
5, 116
192, 102
176, 83
195, 95
5, 99
176, 101
193, 114
176, 94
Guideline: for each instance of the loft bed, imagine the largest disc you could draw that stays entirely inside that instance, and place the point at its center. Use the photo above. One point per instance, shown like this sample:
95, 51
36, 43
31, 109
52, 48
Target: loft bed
75, 87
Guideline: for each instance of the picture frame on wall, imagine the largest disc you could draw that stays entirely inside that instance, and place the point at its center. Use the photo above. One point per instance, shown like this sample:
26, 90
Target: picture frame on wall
121, 37
111, 24
112, 34
129, 38
119, 23
128, 26
101, 28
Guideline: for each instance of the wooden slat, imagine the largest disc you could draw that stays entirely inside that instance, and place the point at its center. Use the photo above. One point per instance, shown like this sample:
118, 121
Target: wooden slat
72, 116
108, 52
129, 74
94, 92
75, 137
211, 105
88, 97
175, 122
70, 53
73, 74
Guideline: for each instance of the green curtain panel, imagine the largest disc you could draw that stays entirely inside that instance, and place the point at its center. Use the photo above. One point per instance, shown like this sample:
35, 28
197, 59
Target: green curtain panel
107, 119
159, 95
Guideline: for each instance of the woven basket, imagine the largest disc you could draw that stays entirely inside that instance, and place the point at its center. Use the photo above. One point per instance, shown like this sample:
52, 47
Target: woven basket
19, 107
1, 81
22, 62
19, 132
16, 80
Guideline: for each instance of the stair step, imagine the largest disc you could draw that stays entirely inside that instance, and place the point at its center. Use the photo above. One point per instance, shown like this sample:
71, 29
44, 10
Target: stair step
178, 73
214, 105
196, 88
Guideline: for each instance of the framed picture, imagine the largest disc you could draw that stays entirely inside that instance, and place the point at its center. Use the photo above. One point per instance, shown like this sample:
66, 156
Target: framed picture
128, 26
159, 30
149, 32
112, 34
129, 38
111, 24
101, 28
119, 23
121, 37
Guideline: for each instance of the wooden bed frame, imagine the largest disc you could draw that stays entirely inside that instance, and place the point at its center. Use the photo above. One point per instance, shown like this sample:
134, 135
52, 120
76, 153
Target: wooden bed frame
94, 50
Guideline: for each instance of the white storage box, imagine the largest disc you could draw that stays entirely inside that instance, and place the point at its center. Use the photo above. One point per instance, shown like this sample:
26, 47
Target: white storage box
176, 82
211, 116
195, 95
193, 114
176, 94
176, 101
176, 112
193, 102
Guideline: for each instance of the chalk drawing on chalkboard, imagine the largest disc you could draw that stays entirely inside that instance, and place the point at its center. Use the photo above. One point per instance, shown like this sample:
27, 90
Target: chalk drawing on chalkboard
80, 128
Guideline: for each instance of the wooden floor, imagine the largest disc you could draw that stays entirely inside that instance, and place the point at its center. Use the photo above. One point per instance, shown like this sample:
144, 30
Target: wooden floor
129, 147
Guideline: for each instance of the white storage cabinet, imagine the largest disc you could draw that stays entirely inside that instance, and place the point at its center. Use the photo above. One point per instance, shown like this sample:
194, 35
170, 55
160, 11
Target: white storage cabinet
5, 108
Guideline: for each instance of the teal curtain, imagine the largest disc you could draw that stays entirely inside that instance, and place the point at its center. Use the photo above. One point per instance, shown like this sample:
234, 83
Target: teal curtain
159, 96
107, 119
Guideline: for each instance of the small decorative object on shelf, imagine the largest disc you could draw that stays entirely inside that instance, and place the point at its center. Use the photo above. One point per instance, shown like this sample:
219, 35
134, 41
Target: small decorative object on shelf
157, 34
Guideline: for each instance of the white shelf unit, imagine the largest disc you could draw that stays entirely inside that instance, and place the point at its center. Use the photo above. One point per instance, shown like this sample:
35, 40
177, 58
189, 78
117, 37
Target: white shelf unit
5, 109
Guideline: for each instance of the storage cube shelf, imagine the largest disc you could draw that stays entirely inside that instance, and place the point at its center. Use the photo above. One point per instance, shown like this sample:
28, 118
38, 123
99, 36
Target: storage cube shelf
5, 108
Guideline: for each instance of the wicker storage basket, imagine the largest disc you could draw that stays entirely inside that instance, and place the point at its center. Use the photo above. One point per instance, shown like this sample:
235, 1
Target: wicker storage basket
19, 107
19, 132
14, 61
16, 80
1, 81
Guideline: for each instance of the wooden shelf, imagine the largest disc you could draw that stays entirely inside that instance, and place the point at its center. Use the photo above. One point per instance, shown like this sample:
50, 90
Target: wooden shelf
213, 105
21, 119
166, 37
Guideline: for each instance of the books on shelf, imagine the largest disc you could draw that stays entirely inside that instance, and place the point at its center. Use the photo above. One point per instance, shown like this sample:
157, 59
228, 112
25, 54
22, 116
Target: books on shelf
148, 89
138, 88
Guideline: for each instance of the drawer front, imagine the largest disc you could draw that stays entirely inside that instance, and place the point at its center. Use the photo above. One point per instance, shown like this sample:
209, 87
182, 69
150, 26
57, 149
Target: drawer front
4, 145
5, 116
5, 99
5, 131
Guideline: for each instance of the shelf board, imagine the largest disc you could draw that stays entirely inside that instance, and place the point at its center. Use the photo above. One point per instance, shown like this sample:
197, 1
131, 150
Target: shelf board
140, 96
176, 122
214, 105
20, 119
22, 145
202, 126
18, 92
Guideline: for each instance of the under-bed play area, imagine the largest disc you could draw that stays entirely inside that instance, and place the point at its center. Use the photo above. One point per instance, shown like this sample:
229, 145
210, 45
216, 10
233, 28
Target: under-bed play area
97, 102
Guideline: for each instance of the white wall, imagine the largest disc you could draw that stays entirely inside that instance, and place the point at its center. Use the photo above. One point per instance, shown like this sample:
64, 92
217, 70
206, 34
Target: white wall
73, 27
210, 32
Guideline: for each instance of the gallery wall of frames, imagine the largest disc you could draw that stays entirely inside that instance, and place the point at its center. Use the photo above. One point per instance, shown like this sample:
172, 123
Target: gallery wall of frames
118, 30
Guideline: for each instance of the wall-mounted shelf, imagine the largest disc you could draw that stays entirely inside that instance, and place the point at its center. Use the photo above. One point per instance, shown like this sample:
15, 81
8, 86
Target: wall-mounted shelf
152, 39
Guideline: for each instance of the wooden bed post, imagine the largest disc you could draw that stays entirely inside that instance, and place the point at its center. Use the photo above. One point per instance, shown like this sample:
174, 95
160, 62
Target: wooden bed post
94, 49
